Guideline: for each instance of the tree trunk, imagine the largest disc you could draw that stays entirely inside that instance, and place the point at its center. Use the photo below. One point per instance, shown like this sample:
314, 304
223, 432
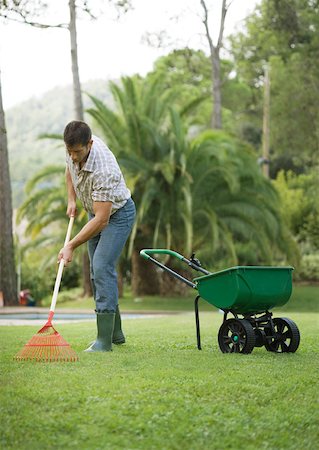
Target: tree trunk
78, 104
216, 119
217, 93
266, 129
79, 115
171, 286
145, 279
8, 277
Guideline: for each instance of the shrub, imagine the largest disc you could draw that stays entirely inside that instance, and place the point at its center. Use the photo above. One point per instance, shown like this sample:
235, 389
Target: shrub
38, 281
41, 281
309, 268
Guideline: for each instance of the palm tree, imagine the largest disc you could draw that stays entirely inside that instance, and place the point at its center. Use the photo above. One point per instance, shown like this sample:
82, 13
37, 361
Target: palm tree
44, 210
131, 135
235, 203
203, 194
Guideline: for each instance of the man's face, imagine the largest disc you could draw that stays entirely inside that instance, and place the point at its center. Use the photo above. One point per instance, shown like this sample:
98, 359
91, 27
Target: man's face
79, 153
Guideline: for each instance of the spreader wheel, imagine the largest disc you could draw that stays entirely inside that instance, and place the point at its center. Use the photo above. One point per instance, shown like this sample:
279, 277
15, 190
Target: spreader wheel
286, 338
236, 336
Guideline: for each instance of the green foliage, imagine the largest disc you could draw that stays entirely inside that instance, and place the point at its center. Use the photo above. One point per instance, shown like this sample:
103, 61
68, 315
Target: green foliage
283, 34
196, 189
309, 269
294, 109
44, 211
293, 199
299, 198
299, 202
173, 178
71, 297
40, 281
245, 205
38, 274
188, 73
72, 275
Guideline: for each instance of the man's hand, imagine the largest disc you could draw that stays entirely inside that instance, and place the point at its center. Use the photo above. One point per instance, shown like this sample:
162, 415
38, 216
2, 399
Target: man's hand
71, 209
66, 253
102, 212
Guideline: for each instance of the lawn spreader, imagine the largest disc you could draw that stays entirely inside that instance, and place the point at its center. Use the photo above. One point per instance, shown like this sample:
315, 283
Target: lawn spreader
248, 293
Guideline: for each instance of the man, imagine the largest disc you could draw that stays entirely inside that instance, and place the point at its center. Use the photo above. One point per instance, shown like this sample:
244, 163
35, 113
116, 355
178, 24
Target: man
93, 176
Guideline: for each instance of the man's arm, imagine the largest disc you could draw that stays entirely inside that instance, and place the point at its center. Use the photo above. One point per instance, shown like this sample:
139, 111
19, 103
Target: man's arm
71, 209
102, 212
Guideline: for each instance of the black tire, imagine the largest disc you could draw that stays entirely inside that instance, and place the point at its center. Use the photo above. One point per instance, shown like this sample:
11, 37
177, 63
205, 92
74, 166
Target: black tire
287, 336
236, 336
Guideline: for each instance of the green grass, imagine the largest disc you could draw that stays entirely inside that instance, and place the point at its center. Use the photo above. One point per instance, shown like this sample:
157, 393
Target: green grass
303, 299
159, 392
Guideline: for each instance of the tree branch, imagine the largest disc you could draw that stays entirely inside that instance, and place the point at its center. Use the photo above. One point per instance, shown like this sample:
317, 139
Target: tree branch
225, 8
36, 24
222, 24
18, 12
205, 22
85, 8
24, 19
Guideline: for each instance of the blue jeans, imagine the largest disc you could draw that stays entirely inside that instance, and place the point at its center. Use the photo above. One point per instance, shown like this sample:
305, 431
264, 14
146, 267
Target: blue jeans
104, 252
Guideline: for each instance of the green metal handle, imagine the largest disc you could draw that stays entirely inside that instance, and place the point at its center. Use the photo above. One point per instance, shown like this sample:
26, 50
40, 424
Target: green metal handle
146, 252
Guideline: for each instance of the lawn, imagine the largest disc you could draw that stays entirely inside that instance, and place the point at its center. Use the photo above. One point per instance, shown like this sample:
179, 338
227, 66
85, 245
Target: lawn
159, 392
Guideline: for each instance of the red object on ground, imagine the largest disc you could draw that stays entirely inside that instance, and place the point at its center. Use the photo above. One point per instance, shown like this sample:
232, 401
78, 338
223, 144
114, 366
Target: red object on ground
23, 297
47, 345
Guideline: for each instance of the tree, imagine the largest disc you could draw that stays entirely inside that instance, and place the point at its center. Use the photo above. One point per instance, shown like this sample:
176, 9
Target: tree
214, 57
211, 183
284, 36
128, 131
8, 278
188, 73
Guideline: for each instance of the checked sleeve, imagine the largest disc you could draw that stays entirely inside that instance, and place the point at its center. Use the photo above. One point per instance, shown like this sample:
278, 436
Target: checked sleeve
105, 186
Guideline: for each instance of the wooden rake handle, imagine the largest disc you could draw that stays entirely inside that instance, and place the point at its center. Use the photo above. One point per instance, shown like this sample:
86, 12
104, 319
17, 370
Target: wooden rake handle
59, 274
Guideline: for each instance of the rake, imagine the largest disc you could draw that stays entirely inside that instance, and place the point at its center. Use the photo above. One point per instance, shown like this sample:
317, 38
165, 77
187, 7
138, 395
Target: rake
47, 344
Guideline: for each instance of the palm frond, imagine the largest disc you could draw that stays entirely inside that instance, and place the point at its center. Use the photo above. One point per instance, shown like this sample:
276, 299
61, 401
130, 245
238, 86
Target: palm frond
58, 137
48, 173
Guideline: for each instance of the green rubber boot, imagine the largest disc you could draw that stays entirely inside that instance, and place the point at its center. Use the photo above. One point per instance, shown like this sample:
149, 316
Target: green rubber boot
118, 336
105, 327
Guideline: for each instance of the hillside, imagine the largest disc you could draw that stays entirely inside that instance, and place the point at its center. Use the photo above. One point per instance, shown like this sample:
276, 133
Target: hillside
48, 113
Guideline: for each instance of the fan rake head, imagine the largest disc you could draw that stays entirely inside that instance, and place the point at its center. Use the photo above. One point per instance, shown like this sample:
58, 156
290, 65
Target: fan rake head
47, 346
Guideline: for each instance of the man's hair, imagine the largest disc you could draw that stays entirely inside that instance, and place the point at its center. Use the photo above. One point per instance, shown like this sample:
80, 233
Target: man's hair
77, 133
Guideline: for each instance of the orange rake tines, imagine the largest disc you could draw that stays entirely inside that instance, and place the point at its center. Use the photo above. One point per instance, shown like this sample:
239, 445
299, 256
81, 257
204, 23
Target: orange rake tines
48, 345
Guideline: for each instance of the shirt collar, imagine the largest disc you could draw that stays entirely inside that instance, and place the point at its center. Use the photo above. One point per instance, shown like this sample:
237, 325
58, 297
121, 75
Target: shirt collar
89, 164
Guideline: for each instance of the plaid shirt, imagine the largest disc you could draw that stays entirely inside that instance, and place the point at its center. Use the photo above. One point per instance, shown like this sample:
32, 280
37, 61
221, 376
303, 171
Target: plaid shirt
100, 179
